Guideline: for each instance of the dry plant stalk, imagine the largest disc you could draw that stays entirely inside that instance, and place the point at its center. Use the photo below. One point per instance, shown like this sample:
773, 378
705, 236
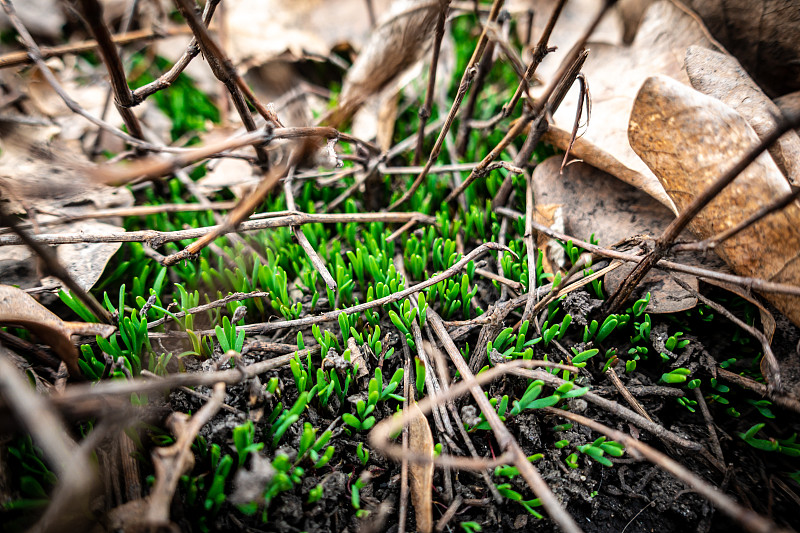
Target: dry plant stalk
157, 238
466, 79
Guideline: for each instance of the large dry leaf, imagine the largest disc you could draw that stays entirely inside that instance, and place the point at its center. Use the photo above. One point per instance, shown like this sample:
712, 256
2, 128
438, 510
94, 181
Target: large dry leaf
420, 442
721, 76
575, 16
689, 139
18, 308
262, 30
615, 74
763, 34
596, 203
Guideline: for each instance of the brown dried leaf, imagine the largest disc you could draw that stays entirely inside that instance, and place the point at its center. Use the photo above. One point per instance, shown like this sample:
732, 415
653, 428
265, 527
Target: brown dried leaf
86, 261
376, 117
615, 74
47, 178
264, 30
357, 358
18, 308
789, 103
30, 12
236, 174
594, 202
689, 140
398, 42
632, 12
721, 76
554, 258
575, 14
764, 35
420, 442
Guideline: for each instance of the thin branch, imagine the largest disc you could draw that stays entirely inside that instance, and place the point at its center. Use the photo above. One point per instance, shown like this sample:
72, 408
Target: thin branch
171, 462
169, 77
159, 166
158, 238
539, 53
613, 407
425, 110
484, 67
103, 390
316, 260
712, 433
243, 209
403, 507
623, 390
530, 248
714, 241
36, 56
703, 273
505, 439
123, 97
391, 425
133, 211
787, 402
216, 304
770, 368
14, 59
547, 102
466, 80
223, 69
260, 328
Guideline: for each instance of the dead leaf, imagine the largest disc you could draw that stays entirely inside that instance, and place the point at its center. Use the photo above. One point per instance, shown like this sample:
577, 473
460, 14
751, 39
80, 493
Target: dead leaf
262, 30
631, 12
689, 139
398, 42
596, 203
420, 442
85, 262
575, 15
615, 74
357, 358
44, 176
376, 117
30, 12
721, 76
235, 174
789, 103
554, 258
764, 35
387, 117
18, 308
